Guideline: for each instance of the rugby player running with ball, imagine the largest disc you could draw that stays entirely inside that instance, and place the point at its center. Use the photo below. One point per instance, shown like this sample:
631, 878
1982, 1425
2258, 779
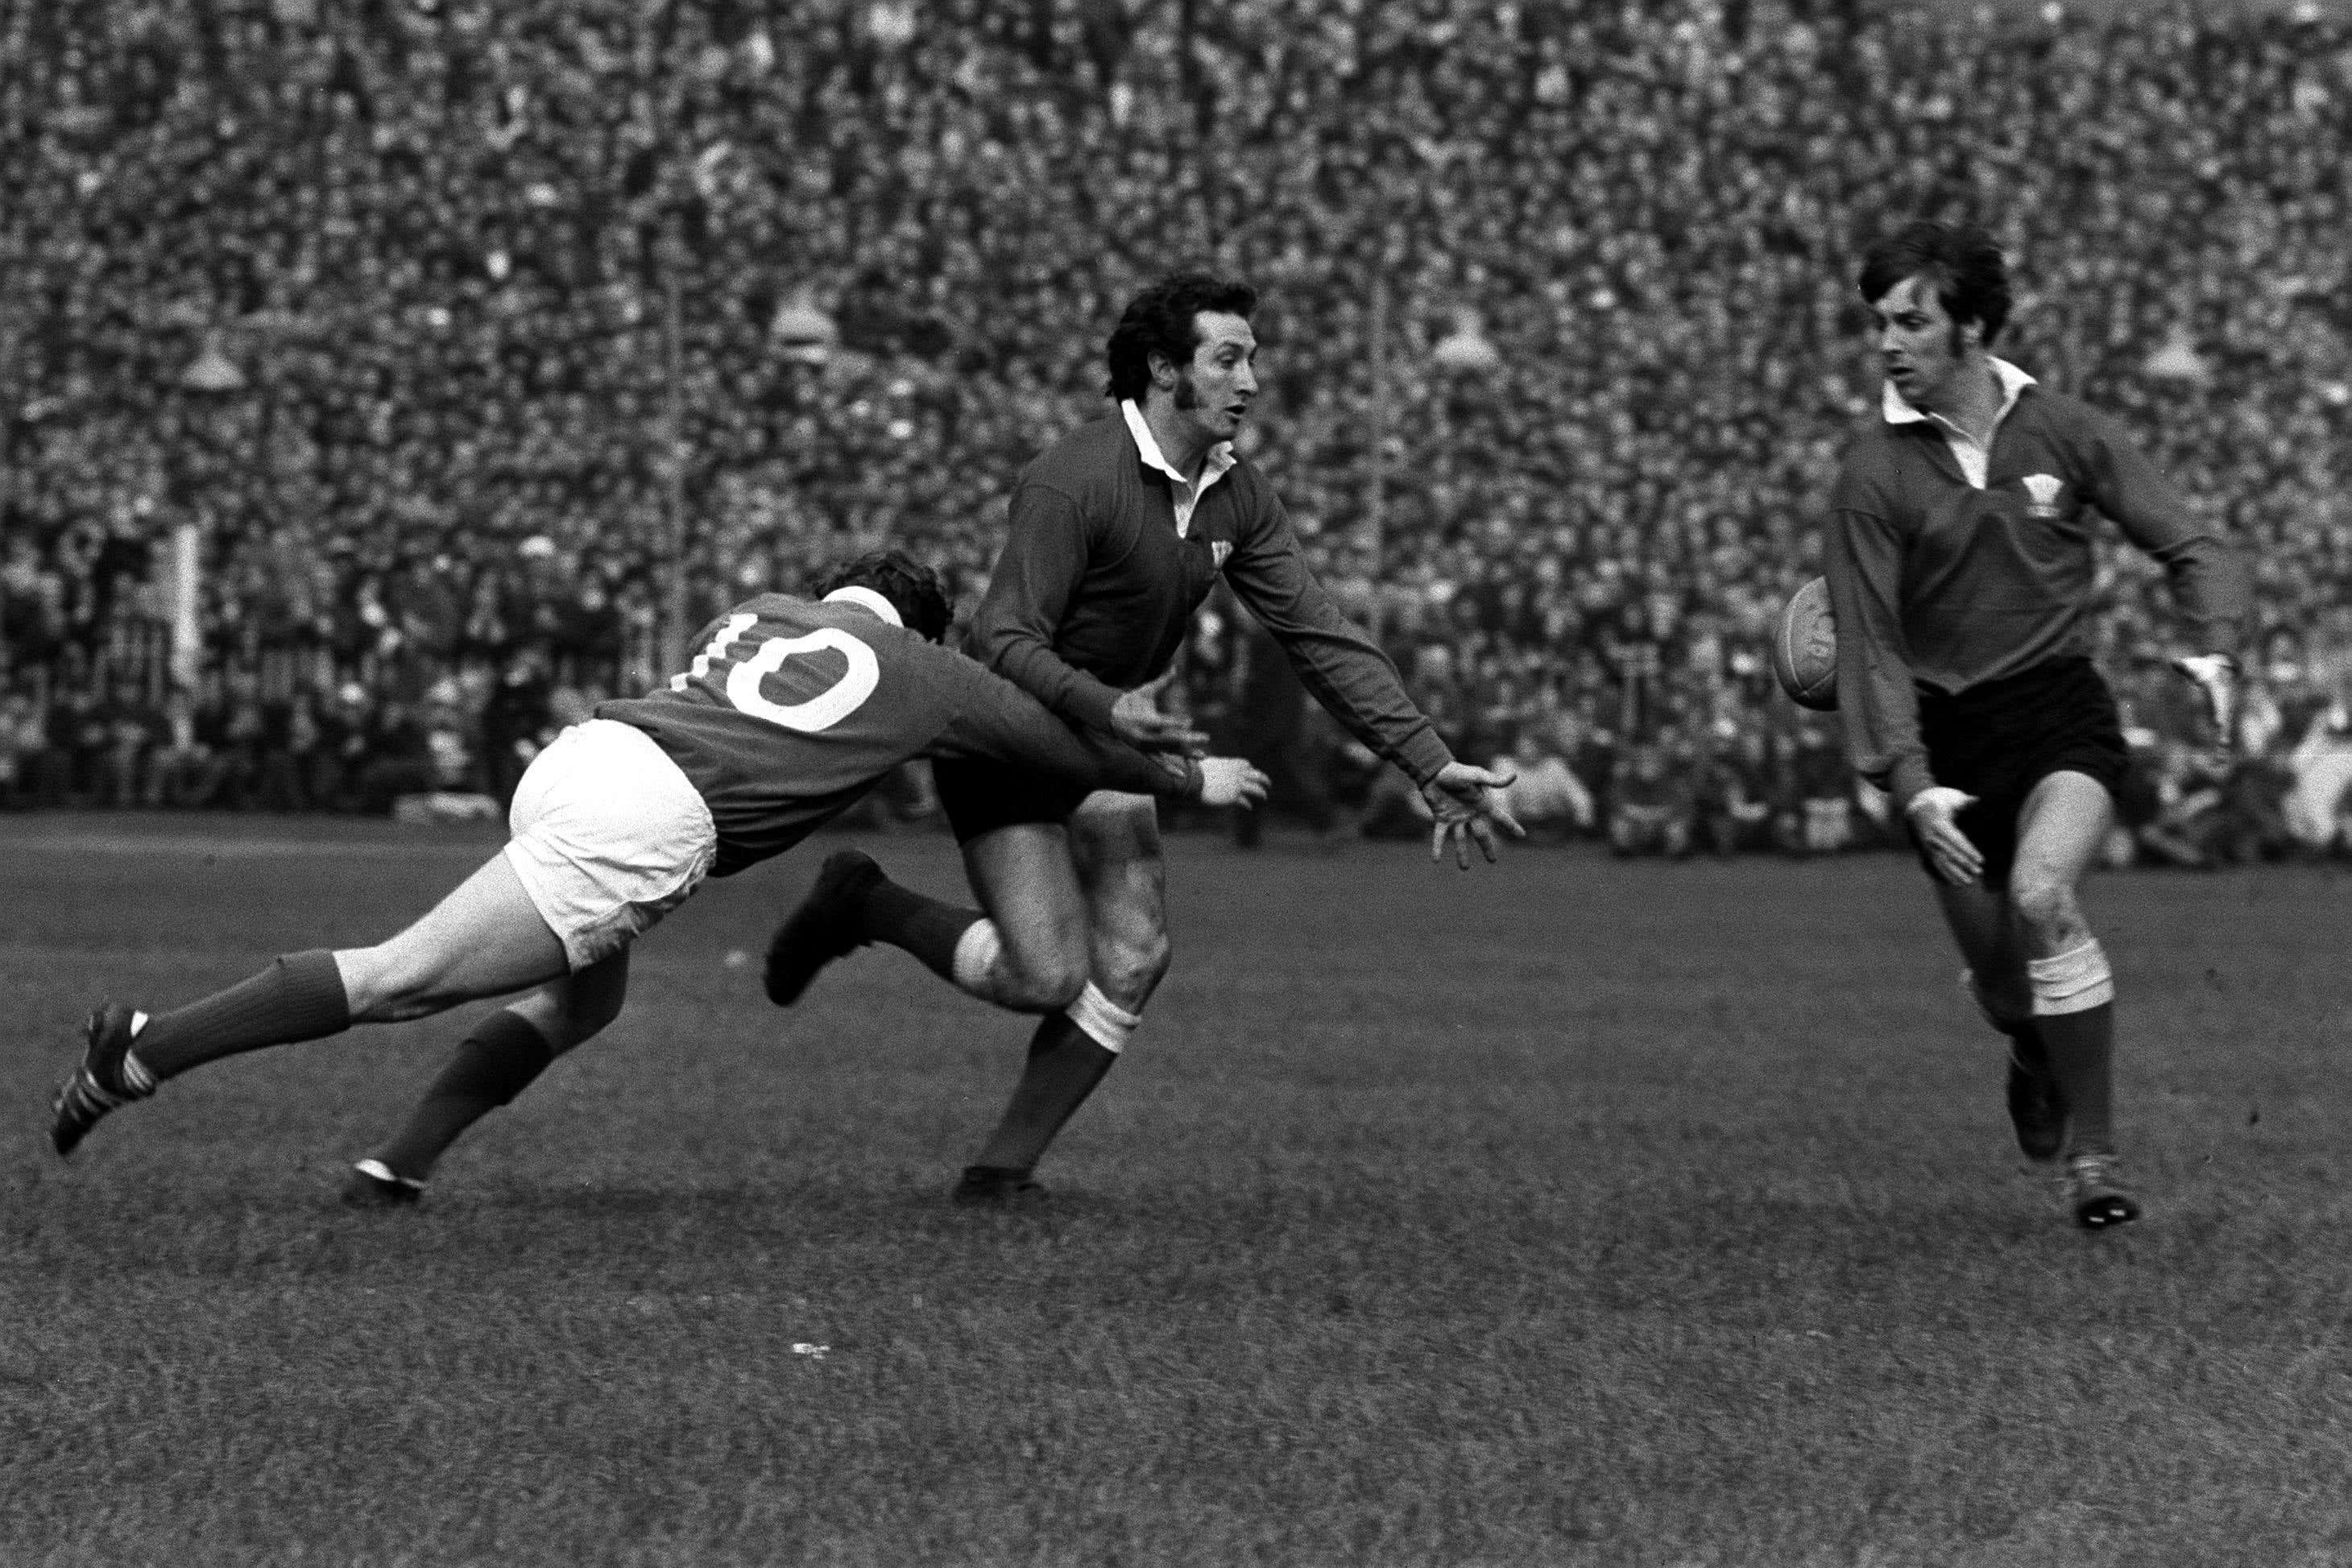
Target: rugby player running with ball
1961, 573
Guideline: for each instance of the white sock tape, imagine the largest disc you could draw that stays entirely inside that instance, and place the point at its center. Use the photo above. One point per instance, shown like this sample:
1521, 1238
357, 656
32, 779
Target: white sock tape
2073, 982
976, 953
1108, 1023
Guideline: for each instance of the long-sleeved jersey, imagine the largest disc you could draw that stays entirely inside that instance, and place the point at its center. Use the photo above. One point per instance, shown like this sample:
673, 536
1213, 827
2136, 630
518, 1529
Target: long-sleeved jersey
1095, 589
1935, 581
791, 710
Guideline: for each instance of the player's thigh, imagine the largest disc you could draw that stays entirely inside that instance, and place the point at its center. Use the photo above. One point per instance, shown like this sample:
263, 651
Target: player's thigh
1027, 885
2060, 831
1115, 842
576, 1009
486, 939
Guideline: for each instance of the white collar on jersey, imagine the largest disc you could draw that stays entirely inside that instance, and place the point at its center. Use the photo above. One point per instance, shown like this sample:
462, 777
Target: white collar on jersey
866, 598
1896, 409
1221, 457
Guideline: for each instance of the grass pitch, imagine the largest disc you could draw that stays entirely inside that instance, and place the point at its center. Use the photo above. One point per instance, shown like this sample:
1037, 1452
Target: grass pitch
1566, 1212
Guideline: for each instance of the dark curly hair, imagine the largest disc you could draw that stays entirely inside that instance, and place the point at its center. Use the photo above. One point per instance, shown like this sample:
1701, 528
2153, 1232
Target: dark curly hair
912, 589
1160, 320
1970, 274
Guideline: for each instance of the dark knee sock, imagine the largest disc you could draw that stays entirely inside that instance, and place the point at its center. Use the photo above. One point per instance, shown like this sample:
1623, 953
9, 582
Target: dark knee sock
2026, 1044
2082, 1048
299, 997
923, 926
1064, 1066
496, 1063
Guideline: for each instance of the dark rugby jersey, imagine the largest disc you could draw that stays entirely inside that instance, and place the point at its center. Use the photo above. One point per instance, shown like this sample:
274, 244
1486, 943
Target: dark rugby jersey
1936, 581
1094, 592
791, 711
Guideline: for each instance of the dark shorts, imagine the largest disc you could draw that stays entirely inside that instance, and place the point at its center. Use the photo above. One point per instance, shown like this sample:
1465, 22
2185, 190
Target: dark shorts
980, 796
1999, 739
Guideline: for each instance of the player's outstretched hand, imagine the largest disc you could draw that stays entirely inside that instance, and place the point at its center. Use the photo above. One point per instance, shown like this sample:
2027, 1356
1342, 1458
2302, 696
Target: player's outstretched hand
1232, 781
1468, 810
2216, 678
1932, 811
1136, 719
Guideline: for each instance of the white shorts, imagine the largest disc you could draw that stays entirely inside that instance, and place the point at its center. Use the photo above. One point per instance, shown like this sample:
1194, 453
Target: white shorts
609, 836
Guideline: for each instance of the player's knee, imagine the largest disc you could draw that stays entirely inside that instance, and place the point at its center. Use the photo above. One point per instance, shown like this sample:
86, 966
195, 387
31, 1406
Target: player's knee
2044, 904
393, 981
1130, 973
1042, 983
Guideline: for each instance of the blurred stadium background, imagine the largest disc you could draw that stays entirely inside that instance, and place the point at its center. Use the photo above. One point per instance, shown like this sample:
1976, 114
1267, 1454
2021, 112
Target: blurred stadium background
381, 381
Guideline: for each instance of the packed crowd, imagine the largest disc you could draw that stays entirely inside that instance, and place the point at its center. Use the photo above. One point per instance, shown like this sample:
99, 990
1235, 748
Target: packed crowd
484, 349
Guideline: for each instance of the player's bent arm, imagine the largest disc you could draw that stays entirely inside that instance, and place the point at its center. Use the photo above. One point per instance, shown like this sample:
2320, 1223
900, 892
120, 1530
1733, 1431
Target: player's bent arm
2210, 581
2209, 576
1878, 707
1037, 574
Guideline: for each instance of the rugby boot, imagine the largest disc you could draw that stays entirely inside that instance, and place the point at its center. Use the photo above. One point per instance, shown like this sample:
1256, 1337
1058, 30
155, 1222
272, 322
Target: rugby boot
2035, 1111
825, 927
107, 1079
2096, 1193
997, 1186
374, 1185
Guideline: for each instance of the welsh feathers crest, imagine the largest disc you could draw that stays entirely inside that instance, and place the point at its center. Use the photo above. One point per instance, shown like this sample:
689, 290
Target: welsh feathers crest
2041, 495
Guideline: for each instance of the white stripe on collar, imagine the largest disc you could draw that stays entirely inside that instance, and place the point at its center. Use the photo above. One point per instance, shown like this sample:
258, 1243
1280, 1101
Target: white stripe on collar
866, 598
1221, 457
1896, 409
1214, 467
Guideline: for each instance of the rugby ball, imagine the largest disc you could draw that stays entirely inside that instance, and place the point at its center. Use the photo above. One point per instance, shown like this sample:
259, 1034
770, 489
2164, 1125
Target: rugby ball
1804, 648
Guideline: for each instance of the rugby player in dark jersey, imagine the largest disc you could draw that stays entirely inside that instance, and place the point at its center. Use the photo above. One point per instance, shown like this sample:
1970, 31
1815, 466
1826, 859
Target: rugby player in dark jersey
789, 713
1961, 573
1116, 533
